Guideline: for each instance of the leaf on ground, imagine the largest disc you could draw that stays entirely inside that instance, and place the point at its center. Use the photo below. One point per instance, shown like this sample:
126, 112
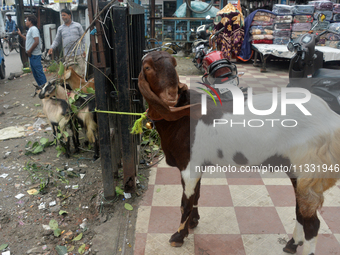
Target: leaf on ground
57, 232
81, 249
119, 191
78, 237
43, 140
128, 207
62, 250
158, 190
3, 246
61, 212
70, 248
33, 192
38, 149
53, 224
36, 105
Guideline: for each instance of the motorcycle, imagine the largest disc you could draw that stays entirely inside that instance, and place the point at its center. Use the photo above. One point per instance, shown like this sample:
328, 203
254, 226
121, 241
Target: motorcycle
217, 69
201, 45
305, 69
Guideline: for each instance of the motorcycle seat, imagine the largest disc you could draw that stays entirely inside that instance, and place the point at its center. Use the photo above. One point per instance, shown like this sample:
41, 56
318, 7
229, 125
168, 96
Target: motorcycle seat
327, 73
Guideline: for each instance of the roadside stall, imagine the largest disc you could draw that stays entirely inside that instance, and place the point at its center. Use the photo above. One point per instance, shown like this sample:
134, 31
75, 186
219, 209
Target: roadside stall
267, 33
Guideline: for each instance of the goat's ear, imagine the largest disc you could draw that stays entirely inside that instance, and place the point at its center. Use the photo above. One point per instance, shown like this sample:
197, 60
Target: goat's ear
153, 100
67, 74
174, 62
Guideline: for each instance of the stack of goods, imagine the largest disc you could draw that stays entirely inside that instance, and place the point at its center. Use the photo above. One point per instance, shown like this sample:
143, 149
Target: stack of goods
336, 12
282, 29
302, 20
325, 7
262, 28
282, 9
333, 40
301, 24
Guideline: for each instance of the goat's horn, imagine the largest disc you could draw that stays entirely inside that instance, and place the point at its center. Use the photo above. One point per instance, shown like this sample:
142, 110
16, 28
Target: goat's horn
35, 85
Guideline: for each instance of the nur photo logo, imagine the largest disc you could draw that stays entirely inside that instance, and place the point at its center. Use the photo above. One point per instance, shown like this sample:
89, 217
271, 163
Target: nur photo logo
239, 103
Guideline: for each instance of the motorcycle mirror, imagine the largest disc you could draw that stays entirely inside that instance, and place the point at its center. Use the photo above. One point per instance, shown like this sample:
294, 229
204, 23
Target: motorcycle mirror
290, 46
321, 17
207, 17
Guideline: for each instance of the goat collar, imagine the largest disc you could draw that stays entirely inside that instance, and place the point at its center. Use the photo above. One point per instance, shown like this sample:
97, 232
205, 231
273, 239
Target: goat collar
152, 118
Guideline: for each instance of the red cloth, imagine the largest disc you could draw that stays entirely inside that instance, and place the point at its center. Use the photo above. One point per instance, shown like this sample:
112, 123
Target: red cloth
262, 41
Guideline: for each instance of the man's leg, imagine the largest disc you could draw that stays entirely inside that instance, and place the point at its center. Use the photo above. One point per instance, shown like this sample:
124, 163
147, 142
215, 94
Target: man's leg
37, 69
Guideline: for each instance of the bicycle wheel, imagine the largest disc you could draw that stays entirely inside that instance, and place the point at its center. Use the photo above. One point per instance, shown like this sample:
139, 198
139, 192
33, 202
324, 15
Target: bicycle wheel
5, 47
16, 44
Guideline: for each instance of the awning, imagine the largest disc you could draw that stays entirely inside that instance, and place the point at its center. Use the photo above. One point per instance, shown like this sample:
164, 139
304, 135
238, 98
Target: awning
7, 8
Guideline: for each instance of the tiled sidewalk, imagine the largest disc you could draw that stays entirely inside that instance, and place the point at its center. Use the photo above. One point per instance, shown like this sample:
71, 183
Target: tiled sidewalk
254, 215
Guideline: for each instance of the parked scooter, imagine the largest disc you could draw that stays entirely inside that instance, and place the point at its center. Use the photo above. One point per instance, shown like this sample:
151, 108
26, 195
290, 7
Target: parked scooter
217, 69
305, 69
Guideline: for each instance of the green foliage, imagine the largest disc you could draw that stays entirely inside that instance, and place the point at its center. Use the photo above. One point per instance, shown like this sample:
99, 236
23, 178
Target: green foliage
55, 227
54, 67
37, 147
3, 246
61, 69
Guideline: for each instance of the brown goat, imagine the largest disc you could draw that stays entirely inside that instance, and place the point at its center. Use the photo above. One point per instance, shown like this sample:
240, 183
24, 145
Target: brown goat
76, 81
192, 141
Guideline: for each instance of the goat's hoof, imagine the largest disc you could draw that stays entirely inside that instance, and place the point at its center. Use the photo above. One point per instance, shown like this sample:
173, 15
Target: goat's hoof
193, 224
176, 244
291, 247
176, 240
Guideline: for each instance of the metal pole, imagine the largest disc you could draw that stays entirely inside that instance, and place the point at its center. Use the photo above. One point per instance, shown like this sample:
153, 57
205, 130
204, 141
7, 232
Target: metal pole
152, 21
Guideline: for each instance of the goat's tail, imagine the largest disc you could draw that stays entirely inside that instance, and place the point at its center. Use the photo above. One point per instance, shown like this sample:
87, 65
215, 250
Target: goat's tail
91, 128
320, 161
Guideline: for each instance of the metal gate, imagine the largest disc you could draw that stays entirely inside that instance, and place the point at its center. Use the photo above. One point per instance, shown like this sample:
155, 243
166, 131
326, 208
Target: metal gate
117, 50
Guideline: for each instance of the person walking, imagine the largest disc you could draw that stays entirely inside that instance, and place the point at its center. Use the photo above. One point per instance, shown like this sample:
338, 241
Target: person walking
68, 34
33, 49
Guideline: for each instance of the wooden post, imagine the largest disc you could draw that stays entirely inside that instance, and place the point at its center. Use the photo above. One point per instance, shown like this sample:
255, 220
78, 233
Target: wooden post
102, 89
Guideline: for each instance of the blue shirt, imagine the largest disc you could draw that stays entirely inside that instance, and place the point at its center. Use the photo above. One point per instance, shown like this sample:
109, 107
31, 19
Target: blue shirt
31, 34
10, 26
